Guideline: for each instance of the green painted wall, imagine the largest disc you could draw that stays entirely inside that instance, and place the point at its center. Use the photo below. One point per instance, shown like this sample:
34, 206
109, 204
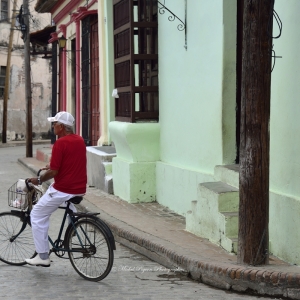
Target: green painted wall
196, 129
176, 187
134, 168
285, 108
197, 98
285, 137
191, 89
110, 76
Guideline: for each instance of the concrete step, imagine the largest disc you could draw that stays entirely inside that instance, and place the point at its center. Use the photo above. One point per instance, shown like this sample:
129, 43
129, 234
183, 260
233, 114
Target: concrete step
234, 244
230, 244
191, 219
107, 168
99, 165
228, 196
215, 214
228, 174
231, 222
106, 153
44, 153
108, 177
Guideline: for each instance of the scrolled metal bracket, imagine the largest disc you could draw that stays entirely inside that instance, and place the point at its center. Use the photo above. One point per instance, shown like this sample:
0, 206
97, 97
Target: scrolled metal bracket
173, 17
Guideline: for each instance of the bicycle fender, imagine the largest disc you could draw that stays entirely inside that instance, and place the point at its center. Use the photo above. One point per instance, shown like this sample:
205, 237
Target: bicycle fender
24, 216
106, 229
18, 213
101, 223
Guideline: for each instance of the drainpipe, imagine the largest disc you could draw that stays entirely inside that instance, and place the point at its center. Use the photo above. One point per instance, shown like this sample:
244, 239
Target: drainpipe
64, 75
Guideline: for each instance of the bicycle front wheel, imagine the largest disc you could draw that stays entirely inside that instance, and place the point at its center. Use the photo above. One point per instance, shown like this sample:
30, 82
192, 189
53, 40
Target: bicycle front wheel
90, 251
16, 241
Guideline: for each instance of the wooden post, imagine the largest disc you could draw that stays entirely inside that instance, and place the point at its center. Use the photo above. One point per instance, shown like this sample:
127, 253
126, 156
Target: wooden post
7, 75
254, 140
27, 81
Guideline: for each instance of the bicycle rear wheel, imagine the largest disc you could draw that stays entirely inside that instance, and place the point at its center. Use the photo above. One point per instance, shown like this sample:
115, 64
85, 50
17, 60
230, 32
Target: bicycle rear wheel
92, 255
14, 250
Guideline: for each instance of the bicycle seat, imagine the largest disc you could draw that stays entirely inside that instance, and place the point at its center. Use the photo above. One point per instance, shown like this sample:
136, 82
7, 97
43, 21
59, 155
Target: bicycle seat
76, 199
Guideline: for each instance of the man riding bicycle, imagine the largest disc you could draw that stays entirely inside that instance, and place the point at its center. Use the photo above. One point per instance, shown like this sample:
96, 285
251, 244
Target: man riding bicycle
68, 169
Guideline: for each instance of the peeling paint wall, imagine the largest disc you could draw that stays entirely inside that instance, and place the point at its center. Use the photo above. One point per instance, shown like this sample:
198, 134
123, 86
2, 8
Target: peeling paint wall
40, 81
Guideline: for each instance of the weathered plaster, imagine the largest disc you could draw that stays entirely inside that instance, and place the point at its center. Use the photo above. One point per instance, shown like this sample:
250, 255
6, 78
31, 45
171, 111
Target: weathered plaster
40, 79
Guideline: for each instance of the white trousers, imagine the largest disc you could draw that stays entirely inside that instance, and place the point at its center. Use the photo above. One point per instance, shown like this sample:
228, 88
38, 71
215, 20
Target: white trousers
40, 216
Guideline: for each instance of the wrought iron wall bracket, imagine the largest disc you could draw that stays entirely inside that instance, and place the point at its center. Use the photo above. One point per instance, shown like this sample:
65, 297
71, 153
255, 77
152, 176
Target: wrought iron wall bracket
182, 26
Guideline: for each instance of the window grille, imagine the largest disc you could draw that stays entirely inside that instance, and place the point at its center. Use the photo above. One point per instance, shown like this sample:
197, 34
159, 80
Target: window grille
2, 80
4, 10
136, 60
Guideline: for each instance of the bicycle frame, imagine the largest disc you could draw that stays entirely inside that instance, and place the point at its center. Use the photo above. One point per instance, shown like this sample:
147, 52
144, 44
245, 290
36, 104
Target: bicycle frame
57, 245
25, 216
73, 218
85, 238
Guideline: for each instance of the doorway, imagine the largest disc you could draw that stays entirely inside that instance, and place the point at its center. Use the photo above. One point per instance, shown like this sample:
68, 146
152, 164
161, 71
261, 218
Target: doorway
95, 111
239, 58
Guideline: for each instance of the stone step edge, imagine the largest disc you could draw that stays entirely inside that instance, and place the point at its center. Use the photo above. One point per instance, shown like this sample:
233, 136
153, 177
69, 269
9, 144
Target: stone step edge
108, 168
222, 191
44, 154
228, 174
218, 187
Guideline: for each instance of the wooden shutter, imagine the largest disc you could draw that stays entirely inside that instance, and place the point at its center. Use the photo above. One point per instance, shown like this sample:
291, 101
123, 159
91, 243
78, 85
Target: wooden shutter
60, 78
85, 66
54, 87
136, 60
95, 110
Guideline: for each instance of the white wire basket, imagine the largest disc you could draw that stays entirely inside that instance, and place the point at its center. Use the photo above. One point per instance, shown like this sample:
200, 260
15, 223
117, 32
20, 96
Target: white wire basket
17, 198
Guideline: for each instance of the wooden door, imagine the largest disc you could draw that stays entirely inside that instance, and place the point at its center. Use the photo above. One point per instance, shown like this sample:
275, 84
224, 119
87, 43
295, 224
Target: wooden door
95, 100
239, 75
60, 80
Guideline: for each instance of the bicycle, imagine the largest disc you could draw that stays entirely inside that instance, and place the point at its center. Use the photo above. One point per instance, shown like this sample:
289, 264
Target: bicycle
88, 240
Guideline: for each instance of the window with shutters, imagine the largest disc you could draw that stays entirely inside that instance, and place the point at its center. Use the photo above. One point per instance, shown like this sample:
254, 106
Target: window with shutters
4, 10
2, 80
136, 60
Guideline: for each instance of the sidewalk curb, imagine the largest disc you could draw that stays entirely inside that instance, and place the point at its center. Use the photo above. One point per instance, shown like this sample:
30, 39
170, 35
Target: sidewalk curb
251, 280
247, 279
23, 143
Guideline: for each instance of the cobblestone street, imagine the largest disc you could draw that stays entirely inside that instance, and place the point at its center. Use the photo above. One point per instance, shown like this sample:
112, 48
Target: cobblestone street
133, 277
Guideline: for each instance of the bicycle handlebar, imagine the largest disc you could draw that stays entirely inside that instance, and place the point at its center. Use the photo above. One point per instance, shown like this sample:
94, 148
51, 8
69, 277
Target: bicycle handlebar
26, 180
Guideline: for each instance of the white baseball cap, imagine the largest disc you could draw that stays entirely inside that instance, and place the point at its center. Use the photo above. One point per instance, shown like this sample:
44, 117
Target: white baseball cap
63, 117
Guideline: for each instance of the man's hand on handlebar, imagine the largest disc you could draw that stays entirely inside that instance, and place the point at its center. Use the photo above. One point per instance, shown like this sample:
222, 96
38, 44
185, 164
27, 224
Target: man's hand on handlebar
49, 174
37, 181
34, 181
